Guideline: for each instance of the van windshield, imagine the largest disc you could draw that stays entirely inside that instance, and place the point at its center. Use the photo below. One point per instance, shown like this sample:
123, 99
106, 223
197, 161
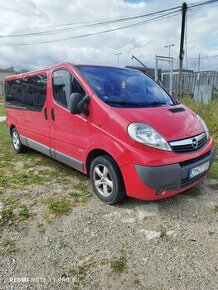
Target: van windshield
120, 87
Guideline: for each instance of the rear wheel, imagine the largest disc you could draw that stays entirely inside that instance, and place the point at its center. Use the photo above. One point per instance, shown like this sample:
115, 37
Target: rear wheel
18, 147
106, 179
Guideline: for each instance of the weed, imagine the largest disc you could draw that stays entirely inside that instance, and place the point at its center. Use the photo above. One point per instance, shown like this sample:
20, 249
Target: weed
8, 201
119, 265
23, 212
58, 206
216, 208
7, 213
163, 232
80, 197
80, 192
9, 245
81, 187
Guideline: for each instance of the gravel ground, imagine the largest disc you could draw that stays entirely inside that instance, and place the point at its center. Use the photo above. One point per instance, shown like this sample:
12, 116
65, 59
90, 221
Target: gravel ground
168, 244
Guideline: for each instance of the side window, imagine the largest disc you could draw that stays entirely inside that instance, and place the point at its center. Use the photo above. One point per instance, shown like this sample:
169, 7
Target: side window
61, 86
29, 92
76, 87
64, 84
34, 92
13, 93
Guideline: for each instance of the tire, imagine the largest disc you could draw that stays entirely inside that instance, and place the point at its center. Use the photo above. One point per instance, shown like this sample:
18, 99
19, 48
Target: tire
17, 145
106, 179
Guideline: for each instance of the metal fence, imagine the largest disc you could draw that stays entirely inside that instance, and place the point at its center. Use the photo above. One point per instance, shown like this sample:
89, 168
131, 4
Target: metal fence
199, 77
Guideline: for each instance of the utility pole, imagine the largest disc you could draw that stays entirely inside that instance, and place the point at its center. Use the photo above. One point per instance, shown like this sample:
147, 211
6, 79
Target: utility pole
181, 52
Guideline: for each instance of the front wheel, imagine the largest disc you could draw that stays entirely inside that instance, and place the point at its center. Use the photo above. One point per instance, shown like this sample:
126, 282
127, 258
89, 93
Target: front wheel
17, 145
106, 179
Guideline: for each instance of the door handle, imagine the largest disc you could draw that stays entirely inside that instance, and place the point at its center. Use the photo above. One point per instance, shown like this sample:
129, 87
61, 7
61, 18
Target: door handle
45, 114
52, 114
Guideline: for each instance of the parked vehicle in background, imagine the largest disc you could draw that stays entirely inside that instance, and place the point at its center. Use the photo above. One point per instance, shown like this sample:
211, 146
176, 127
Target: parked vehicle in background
117, 125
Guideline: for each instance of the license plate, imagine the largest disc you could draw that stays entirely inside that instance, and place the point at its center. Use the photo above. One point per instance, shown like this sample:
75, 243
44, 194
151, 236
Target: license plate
199, 169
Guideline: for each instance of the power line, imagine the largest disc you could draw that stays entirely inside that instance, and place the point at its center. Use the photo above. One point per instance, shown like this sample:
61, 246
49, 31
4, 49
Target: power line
88, 24
202, 3
170, 14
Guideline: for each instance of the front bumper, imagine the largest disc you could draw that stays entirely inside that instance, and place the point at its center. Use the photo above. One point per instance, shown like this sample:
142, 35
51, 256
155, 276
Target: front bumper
173, 177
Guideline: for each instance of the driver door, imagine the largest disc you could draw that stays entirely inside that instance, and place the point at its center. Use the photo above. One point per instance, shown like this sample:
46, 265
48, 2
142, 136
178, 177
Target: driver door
69, 132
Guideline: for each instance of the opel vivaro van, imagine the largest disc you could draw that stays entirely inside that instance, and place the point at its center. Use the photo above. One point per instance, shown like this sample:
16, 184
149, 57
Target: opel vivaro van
115, 124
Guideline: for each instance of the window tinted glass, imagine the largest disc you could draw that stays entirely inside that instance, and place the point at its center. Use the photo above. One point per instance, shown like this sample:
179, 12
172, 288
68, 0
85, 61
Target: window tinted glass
60, 82
64, 84
76, 87
125, 88
29, 93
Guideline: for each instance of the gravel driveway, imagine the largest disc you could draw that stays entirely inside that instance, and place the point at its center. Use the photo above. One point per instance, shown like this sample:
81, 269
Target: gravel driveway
168, 244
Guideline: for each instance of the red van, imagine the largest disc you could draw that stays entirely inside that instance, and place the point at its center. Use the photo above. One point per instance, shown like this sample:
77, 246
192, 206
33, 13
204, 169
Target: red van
115, 124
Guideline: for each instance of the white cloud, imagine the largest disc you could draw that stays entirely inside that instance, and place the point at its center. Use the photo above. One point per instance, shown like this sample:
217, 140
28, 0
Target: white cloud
144, 41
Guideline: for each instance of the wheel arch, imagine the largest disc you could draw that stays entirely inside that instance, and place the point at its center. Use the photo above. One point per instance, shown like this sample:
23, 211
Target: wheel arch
11, 128
92, 155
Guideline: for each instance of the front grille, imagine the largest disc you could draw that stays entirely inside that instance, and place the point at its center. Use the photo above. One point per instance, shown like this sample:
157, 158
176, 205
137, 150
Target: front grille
190, 144
190, 161
187, 181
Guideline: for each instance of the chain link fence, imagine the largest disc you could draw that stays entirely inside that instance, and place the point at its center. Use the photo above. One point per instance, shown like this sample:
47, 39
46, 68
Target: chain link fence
199, 77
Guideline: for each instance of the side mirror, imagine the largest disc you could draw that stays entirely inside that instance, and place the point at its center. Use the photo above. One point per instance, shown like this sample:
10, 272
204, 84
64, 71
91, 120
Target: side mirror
78, 104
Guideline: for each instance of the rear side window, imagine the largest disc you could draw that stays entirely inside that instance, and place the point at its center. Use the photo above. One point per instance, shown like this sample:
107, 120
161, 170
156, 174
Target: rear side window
28, 93
64, 84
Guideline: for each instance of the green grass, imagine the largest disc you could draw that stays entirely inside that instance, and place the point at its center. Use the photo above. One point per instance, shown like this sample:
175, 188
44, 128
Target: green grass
214, 169
2, 106
9, 246
6, 215
209, 112
29, 174
80, 192
2, 110
23, 212
58, 206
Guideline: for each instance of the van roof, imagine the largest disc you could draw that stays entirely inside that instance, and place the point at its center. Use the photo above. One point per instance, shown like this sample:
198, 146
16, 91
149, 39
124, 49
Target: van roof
45, 70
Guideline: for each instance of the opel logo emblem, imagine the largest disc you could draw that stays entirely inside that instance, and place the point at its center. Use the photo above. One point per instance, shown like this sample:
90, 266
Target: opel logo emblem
194, 143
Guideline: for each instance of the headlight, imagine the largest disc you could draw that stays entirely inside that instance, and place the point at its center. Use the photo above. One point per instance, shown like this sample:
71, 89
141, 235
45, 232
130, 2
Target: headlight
203, 125
148, 136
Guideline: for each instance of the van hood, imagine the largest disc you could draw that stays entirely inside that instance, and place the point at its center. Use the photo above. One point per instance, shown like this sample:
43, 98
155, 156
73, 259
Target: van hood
172, 122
